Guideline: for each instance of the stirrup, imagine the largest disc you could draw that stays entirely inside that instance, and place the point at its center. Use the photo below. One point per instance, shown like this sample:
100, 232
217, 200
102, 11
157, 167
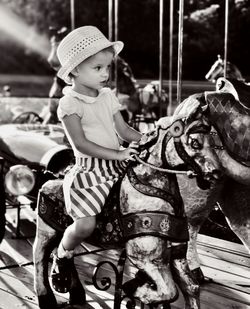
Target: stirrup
61, 274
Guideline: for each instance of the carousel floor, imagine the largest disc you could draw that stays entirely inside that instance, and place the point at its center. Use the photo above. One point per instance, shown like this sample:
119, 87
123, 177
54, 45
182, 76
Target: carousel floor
226, 266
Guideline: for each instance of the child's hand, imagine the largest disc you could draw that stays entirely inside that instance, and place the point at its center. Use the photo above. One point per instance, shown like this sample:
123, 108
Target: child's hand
128, 154
134, 145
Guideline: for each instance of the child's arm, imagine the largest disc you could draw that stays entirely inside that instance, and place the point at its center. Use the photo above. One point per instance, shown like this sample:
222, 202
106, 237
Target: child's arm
127, 133
73, 126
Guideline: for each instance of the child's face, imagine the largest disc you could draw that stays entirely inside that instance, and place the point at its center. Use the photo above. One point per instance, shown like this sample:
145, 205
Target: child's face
94, 72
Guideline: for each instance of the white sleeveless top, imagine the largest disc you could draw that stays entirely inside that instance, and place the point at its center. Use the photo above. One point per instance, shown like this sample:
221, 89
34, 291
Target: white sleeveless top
96, 115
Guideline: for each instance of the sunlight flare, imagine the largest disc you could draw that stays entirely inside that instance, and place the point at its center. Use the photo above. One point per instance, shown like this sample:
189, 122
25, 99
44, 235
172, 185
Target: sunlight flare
12, 25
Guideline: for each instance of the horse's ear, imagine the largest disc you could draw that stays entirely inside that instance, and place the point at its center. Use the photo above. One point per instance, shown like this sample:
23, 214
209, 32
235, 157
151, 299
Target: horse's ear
190, 107
219, 58
164, 122
149, 138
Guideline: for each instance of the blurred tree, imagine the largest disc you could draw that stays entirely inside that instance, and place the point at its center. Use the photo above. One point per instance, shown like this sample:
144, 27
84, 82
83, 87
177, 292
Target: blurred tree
138, 28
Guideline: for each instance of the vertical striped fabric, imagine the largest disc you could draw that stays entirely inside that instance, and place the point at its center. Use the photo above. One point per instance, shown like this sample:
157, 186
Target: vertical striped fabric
87, 185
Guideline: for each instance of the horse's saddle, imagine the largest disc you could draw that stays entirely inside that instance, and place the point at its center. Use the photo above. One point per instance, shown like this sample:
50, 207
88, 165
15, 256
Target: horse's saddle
231, 118
51, 209
239, 89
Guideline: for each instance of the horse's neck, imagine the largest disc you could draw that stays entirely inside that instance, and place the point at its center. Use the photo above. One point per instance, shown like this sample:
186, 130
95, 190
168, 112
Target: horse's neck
231, 167
234, 169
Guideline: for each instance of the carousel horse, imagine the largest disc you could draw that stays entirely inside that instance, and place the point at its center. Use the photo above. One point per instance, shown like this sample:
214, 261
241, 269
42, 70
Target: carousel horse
228, 112
145, 213
140, 104
217, 70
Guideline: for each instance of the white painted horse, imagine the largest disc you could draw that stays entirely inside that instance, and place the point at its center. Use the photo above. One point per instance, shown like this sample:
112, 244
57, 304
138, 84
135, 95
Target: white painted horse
228, 111
153, 220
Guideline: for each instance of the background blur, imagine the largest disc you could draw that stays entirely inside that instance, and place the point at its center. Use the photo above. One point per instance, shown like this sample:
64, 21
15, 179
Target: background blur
24, 34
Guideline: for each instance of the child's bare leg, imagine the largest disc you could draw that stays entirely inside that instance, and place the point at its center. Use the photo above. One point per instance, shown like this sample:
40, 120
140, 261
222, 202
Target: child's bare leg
75, 234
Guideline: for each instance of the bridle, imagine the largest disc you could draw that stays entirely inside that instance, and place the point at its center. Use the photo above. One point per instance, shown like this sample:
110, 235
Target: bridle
216, 137
165, 170
176, 130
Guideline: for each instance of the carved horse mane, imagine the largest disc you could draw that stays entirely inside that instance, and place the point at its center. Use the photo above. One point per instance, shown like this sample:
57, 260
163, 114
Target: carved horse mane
217, 70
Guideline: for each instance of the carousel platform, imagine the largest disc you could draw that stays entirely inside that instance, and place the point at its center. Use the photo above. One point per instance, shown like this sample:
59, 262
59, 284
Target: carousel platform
226, 266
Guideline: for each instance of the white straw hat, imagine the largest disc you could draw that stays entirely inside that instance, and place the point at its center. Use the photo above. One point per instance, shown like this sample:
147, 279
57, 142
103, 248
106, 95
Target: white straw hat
79, 45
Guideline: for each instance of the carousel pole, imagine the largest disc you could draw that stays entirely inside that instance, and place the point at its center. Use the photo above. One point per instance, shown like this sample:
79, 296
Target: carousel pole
226, 37
116, 38
160, 54
110, 19
110, 27
72, 14
180, 49
170, 78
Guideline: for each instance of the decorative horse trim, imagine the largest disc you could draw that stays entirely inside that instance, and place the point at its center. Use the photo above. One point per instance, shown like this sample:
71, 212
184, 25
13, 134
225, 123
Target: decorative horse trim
51, 212
139, 185
155, 224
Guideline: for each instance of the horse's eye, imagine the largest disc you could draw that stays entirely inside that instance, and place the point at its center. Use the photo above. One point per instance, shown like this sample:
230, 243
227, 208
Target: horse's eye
195, 144
157, 261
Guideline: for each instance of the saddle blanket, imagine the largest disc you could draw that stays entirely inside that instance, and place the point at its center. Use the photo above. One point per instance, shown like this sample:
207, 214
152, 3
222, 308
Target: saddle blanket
232, 121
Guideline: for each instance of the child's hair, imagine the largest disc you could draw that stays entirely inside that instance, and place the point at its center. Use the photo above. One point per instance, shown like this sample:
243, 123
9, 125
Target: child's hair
79, 45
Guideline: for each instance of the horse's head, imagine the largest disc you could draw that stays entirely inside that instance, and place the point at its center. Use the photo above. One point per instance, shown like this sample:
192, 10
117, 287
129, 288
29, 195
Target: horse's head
186, 142
149, 96
217, 70
126, 82
127, 87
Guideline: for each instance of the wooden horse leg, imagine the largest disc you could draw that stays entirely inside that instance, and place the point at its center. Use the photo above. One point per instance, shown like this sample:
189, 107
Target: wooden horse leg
185, 280
77, 295
46, 240
44, 243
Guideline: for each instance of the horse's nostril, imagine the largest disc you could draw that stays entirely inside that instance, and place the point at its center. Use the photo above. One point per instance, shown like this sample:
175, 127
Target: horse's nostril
216, 174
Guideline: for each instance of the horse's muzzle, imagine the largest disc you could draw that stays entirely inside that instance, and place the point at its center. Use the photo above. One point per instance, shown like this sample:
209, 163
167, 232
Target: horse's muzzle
213, 176
207, 179
141, 278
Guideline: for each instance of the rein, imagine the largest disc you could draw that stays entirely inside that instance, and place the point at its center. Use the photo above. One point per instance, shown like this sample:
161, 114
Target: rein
165, 170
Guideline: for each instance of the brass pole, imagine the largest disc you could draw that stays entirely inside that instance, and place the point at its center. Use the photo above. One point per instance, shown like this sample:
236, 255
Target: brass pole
160, 54
110, 19
226, 37
110, 30
72, 14
170, 78
180, 50
116, 38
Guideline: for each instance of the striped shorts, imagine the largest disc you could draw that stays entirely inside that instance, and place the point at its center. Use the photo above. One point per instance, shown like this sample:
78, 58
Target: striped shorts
88, 183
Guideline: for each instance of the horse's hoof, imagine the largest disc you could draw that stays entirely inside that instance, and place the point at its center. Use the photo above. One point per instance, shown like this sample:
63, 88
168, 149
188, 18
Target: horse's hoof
141, 277
198, 275
77, 296
47, 301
